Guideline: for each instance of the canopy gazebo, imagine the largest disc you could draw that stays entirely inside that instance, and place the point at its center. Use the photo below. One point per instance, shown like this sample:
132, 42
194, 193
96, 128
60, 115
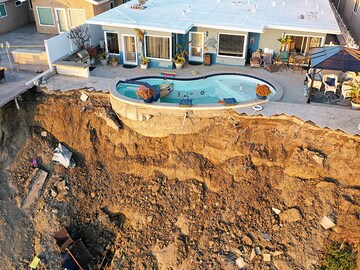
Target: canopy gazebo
333, 58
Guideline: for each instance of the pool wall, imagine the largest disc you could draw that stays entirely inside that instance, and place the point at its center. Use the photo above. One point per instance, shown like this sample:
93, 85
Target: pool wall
137, 110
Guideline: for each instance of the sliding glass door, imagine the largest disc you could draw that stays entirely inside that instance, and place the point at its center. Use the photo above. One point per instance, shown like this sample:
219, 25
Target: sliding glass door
129, 49
196, 51
302, 44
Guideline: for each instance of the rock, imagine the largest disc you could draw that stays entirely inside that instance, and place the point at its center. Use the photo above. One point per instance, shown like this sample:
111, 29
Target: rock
257, 250
149, 219
318, 159
43, 134
266, 236
290, 215
247, 240
62, 191
327, 223
240, 262
92, 194
53, 193
84, 97
252, 254
55, 211
276, 211
276, 253
267, 257
281, 264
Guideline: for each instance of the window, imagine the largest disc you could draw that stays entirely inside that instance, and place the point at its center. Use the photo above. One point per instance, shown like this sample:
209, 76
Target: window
18, 3
157, 47
111, 5
231, 45
45, 15
302, 44
2, 11
76, 17
356, 6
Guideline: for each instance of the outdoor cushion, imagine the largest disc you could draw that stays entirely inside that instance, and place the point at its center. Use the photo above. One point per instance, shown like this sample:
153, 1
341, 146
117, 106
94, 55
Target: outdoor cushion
330, 81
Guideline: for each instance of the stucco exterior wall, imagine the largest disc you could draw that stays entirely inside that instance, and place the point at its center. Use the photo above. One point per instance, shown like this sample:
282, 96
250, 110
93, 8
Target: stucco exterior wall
16, 16
268, 39
79, 4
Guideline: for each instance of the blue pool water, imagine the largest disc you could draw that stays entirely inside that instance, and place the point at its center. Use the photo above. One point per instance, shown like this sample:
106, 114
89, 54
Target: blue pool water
204, 90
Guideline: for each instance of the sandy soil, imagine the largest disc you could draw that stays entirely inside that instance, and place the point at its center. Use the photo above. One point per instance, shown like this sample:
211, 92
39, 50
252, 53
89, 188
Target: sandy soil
196, 201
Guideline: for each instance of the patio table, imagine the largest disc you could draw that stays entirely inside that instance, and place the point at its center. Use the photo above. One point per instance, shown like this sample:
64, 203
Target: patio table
299, 60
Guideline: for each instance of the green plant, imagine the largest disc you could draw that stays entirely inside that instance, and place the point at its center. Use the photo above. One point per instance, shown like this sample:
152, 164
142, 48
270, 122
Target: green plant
339, 257
262, 90
144, 92
114, 59
102, 56
144, 60
355, 93
180, 56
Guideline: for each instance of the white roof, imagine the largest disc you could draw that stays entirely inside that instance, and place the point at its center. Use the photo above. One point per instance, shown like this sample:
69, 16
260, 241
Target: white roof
179, 16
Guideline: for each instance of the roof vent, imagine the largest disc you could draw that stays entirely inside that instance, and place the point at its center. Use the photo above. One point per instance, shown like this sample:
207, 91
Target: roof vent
140, 5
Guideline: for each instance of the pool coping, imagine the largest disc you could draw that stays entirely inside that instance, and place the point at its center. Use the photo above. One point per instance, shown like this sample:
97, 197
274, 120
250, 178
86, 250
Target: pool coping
251, 102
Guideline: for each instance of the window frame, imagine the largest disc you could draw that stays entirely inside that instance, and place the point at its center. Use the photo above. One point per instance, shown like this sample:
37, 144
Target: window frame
230, 56
307, 40
111, 3
68, 11
18, 5
52, 13
1, 16
154, 58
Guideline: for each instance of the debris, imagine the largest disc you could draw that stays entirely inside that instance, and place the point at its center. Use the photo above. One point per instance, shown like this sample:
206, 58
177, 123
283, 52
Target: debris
84, 97
257, 250
37, 180
252, 255
62, 190
64, 156
276, 253
327, 223
35, 262
43, 134
247, 240
266, 236
290, 215
34, 163
240, 262
276, 211
267, 257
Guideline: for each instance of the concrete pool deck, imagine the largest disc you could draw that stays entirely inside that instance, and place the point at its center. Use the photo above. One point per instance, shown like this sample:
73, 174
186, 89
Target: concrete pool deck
292, 103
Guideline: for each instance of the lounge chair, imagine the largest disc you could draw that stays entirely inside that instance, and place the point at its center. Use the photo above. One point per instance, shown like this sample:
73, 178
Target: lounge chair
330, 82
2, 74
317, 80
255, 60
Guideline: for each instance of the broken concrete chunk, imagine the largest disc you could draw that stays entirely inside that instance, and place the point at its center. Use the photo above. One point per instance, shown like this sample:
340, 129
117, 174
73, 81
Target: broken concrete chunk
247, 240
240, 262
257, 250
267, 257
276, 253
327, 223
43, 134
290, 215
37, 180
84, 97
252, 255
266, 236
276, 211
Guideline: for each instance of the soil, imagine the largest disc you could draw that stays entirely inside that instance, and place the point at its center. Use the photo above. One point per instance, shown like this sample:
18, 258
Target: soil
194, 201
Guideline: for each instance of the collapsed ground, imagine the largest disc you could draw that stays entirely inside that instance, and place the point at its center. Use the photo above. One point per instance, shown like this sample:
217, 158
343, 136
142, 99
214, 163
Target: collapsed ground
197, 201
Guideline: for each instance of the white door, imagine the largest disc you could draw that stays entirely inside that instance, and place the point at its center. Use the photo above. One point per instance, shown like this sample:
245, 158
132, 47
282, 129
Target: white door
129, 49
112, 43
61, 19
196, 47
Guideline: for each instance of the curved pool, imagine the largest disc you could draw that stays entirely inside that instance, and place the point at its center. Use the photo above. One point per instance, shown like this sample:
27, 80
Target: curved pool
208, 89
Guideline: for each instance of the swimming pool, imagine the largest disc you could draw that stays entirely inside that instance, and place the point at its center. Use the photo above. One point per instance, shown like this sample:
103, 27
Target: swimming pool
202, 90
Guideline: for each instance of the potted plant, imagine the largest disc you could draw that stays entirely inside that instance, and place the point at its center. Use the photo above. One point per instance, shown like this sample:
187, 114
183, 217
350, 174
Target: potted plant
144, 62
262, 91
355, 96
180, 57
114, 61
145, 93
103, 58
92, 53
285, 41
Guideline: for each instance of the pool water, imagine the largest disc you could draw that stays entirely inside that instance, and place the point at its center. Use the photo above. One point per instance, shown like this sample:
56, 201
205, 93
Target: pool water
206, 90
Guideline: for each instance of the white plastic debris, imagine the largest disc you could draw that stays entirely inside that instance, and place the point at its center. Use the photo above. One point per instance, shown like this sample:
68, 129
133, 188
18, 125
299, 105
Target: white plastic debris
327, 223
64, 156
240, 262
84, 97
275, 210
267, 257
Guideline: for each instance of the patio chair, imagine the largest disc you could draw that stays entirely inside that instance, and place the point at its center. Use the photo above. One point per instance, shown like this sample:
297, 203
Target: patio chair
2, 74
255, 60
267, 59
347, 86
330, 82
283, 59
317, 80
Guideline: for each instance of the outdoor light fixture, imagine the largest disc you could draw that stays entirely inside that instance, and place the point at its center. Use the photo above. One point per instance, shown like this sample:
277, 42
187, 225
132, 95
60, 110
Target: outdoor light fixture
206, 33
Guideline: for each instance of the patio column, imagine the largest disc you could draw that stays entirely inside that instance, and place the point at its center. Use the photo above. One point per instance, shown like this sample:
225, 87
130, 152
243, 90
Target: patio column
312, 84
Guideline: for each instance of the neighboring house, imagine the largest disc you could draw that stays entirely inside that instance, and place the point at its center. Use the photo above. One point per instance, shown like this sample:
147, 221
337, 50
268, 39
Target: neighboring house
13, 14
227, 29
57, 16
350, 13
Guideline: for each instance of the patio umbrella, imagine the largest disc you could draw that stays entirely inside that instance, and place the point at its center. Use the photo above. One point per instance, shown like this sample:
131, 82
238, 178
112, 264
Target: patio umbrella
334, 58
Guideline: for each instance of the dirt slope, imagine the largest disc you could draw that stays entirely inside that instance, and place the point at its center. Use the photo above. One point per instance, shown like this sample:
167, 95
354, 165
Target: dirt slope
198, 201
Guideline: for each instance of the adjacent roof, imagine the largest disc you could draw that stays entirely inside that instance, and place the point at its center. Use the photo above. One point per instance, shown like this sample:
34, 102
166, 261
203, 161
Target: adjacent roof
335, 58
97, 2
179, 16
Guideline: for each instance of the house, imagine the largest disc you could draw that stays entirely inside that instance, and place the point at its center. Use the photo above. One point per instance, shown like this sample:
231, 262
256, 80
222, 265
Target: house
13, 14
350, 13
227, 29
57, 16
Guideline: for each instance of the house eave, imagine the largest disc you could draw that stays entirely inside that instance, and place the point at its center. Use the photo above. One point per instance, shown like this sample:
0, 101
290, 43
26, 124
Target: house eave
96, 3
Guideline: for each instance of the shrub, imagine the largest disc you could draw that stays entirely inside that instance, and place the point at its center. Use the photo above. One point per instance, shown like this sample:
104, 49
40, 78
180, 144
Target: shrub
339, 257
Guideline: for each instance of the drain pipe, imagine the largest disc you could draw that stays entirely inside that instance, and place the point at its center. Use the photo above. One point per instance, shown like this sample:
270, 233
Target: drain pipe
185, 116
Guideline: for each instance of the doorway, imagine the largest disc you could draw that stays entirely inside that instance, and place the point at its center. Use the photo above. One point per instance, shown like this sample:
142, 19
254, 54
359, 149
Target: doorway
196, 47
129, 49
112, 43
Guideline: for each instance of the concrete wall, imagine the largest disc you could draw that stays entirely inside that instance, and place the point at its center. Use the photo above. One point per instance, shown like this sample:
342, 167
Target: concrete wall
16, 16
59, 46
78, 4
345, 9
268, 39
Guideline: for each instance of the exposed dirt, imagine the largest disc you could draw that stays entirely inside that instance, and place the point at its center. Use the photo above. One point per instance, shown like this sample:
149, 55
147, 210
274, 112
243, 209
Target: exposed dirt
198, 201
